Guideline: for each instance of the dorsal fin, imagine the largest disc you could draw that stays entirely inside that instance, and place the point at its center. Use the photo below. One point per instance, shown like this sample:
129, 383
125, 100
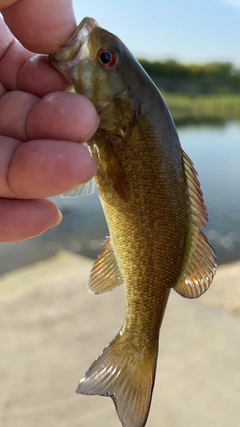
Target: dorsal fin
105, 274
200, 265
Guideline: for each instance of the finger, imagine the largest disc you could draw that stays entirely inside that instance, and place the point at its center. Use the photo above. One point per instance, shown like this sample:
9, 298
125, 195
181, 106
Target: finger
49, 23
43, 168
15, 107
29, 72
2, 90
38, 76
22, 219
61, 115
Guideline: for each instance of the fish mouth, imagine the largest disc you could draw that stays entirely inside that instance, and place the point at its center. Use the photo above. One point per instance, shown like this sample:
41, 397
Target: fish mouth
86, 26
76, 47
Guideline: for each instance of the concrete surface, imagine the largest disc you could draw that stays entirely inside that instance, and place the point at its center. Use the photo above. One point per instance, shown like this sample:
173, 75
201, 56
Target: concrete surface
52, 329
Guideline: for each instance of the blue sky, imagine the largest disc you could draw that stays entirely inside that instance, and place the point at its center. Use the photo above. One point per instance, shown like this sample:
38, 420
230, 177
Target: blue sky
187, 30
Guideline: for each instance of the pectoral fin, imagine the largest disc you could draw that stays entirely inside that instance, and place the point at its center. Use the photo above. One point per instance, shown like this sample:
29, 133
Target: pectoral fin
105, 274
200, 265
117, 178
111, 165
80, 190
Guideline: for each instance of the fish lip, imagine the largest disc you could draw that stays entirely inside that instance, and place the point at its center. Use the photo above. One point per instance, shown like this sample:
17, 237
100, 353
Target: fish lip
75, 48
68, 50
86, 26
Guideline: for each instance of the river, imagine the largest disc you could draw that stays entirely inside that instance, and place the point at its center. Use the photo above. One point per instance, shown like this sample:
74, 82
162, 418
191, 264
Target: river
215, 151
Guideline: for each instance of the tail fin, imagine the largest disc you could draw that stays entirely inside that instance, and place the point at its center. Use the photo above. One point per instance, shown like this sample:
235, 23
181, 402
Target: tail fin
127, 377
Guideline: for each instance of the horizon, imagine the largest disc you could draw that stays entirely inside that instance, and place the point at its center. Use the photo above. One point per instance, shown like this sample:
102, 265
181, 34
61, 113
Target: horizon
200, 64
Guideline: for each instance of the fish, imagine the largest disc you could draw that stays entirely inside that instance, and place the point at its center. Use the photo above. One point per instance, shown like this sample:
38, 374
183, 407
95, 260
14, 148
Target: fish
154, 208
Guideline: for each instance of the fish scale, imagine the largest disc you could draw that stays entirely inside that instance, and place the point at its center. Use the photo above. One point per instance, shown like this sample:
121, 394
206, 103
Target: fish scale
154, 208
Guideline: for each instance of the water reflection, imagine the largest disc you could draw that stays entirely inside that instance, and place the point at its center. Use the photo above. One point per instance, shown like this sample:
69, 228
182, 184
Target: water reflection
216, 155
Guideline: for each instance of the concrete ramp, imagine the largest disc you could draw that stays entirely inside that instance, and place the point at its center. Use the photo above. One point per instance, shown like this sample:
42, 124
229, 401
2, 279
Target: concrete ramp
52, 329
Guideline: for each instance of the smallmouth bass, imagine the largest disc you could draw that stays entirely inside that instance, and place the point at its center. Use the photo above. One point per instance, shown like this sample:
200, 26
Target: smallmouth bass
154, 208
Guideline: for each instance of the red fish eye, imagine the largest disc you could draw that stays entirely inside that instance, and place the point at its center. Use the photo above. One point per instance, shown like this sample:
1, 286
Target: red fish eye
107, 58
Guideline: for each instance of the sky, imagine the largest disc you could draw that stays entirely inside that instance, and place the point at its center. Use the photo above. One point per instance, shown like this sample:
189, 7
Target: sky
189, 31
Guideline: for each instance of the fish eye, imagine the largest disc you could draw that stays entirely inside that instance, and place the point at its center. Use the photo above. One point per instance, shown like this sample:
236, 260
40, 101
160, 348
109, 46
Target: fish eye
107, 57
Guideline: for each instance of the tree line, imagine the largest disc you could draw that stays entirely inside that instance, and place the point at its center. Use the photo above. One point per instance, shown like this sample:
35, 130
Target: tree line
194, 79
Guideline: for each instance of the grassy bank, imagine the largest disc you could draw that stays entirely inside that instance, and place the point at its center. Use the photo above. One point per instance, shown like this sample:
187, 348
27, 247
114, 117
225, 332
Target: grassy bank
198, 93
203, 108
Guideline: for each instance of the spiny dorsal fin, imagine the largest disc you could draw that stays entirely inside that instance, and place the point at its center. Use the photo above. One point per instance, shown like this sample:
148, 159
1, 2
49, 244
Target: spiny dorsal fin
200, 264
127, 377
105, 274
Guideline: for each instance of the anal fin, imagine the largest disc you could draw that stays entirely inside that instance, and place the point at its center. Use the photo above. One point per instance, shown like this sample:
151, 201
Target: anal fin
199, 270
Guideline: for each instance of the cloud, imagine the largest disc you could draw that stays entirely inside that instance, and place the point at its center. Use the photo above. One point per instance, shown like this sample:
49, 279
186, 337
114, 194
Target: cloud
233, 3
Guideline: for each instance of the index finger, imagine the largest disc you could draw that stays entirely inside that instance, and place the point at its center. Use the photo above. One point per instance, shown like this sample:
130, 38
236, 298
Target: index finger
41, 26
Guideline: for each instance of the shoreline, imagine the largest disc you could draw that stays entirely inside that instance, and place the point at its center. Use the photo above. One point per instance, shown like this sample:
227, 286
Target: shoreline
84, 229
26, 253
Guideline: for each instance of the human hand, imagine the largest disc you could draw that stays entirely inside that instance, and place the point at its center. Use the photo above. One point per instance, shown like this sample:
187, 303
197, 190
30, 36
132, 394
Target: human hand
39, 123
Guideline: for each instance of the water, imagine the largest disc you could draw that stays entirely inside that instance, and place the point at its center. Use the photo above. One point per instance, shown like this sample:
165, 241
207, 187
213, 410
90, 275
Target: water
216, 155
215, 152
